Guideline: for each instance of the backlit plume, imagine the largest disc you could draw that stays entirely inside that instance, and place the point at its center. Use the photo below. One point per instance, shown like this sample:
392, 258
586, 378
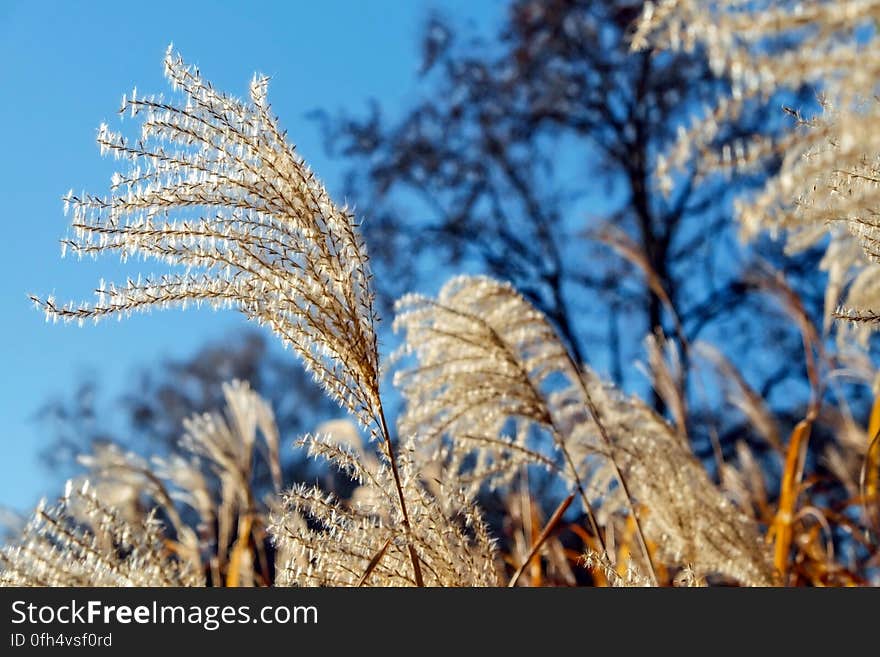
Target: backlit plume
213, 190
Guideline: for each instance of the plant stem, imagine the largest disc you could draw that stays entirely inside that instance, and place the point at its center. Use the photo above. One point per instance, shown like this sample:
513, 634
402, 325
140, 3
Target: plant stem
606, 439
545, 534
414, 557
373, 563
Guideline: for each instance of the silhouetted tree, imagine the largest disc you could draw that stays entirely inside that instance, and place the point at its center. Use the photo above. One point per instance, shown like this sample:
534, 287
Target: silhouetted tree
531, 156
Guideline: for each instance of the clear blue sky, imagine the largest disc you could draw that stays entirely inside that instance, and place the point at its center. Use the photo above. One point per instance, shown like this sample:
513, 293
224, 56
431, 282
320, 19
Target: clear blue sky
63, 70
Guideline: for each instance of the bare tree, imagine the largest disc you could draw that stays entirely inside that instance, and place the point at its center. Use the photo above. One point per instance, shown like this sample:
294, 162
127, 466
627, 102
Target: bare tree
531, 156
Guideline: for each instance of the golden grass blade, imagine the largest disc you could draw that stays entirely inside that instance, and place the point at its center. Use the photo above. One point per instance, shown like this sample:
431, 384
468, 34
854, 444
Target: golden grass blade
531, 522
236, 558
870, 472
624, 551
781, 531
545, 534
373, 563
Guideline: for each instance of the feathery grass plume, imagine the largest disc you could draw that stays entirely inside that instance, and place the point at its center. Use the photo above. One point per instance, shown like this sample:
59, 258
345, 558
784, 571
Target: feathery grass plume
322, 541
485, 357
830, 159
227, 536
690, 520
666, 372
744, 484
628, 576
826, 187
488, 360
213, 187
81, 541
229, 444
132, 487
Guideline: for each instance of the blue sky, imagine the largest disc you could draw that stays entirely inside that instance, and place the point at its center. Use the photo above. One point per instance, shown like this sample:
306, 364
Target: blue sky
63, 70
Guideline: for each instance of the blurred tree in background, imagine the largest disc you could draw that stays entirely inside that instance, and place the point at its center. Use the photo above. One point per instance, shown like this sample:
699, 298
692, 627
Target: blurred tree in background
531, 157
